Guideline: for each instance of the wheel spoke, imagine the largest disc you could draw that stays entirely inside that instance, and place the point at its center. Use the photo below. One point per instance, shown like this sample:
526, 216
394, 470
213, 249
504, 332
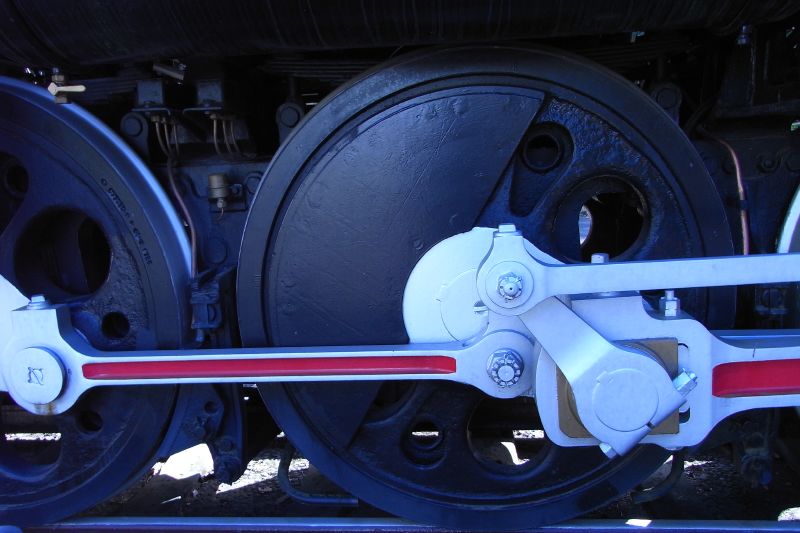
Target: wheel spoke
12, 233
497, 210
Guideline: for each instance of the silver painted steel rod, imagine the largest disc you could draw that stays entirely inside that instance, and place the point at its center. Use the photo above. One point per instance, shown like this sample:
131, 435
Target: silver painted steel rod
668, 274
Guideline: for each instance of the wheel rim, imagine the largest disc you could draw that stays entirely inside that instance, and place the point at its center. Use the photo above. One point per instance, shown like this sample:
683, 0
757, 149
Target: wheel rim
73, 202
347, 234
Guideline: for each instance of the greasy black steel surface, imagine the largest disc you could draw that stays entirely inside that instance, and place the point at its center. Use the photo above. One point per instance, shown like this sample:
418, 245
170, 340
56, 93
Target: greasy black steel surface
219, 230
648, 196
760, 77
40, 33
770, 162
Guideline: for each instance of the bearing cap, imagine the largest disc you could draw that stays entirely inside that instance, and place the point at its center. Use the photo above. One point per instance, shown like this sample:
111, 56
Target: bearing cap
35, 376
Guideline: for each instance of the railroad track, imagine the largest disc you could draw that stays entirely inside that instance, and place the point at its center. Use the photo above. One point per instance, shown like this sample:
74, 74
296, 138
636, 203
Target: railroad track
292, 524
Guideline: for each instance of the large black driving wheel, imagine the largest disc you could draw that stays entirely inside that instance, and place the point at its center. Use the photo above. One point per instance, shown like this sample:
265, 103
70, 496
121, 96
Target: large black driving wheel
414, 152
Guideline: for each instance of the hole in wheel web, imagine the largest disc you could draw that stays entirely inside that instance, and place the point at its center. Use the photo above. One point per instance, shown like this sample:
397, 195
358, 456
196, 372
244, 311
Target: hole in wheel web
506, 432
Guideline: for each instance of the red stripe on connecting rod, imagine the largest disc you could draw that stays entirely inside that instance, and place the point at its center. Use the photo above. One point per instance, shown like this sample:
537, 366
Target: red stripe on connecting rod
756, 378
245, 368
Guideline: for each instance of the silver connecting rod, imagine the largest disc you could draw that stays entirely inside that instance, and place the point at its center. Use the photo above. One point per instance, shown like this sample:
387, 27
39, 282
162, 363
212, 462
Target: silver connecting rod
672, 273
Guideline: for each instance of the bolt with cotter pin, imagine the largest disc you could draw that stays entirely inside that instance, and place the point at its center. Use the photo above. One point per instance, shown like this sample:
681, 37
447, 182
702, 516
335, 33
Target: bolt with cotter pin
508, 282
509, 286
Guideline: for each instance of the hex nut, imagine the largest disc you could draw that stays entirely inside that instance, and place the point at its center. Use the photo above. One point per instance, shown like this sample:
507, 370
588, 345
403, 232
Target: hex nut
505, 367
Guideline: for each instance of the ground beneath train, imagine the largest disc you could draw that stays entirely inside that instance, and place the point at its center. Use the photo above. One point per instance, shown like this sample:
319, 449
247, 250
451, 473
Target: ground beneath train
711, 488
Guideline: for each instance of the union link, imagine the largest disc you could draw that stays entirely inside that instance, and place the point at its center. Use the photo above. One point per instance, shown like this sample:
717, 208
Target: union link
537, 320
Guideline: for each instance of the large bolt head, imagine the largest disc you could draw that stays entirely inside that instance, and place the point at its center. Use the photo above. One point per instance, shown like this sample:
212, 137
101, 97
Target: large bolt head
509, 286
35, 376
505, 367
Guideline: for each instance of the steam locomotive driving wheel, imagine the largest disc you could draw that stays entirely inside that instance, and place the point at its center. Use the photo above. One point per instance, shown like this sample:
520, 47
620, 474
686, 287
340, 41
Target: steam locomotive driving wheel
414, 152
84, 222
